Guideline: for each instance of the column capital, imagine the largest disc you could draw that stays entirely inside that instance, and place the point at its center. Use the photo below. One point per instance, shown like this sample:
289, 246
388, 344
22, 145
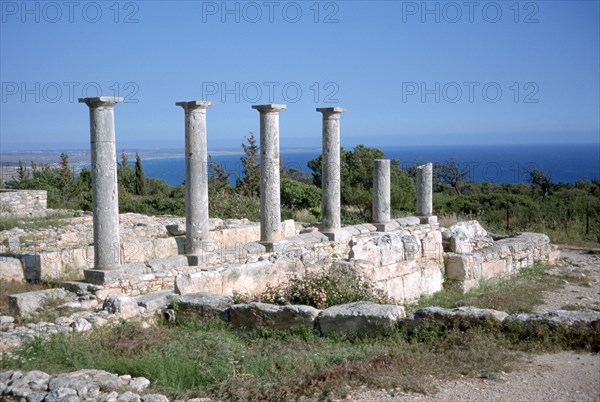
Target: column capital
195, 104
101, 101
269, 108
329, 111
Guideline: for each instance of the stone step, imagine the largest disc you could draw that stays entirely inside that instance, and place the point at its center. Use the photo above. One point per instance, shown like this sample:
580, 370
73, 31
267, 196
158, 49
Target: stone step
155, 300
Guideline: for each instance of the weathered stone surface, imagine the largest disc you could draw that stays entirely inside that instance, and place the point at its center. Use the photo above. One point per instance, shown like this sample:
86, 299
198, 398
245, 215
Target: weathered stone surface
359, 318
82, 385
560, 317
210, 281
81, 325
176, 229
377, 248
154, 398
270, 211
381, 193
468, 237
204, 304
408, 221
460, 314
155, 300
424, 179
105, 195
12, 269
23, 202
121, 305
503, 257
25, 304
256, 315
330, 171
288, 228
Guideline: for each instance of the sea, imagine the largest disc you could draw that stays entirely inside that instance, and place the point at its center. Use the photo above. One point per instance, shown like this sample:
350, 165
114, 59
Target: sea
564, 163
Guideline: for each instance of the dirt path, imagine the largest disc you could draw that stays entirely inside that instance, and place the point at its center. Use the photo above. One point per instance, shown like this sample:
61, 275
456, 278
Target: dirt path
565, 376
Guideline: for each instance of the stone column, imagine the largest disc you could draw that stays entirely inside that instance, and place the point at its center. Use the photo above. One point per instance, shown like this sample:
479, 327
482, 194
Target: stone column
330, 172
382, 195
270, 209
425, 193
196, 177
105, 196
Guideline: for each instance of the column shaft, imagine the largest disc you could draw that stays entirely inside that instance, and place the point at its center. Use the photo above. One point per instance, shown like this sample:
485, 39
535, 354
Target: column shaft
196, 175
381, 191
425, 190
330, 170
105, 196
270, 209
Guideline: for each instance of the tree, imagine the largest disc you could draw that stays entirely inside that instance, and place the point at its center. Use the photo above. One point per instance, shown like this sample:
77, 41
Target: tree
126, 175
249, 184
140, 181
218, 179
66, 180
356, 171
537, 177
452, 173
22, 172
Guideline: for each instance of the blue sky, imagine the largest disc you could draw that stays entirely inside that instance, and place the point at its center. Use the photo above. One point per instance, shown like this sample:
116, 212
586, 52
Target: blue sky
408, 72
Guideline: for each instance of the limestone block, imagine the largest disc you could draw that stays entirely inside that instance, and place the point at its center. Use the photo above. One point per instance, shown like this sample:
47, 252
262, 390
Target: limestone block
463, 315
12, 269
408, 221
177, 229
365, 248
137, 250
255, 315
432, 279
210, 281
51, 264
458, 267
204, 304
26, 304
121, 305
431, 246
359, 318
164, 247
288, 228
412, 286
412, 246
253, 277
492, 269
468, 237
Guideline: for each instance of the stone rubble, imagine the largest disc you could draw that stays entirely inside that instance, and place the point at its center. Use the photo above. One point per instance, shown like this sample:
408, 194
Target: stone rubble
81, 385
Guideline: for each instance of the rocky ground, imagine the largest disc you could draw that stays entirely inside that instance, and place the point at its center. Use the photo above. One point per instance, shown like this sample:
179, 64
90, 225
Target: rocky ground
559, 376
565, 376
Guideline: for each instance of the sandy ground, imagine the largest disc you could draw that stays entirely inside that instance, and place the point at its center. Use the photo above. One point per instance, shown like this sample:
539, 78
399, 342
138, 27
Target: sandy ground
565, 376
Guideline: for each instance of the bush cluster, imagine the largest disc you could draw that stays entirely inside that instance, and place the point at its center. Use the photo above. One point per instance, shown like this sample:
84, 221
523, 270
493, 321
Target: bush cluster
320, 289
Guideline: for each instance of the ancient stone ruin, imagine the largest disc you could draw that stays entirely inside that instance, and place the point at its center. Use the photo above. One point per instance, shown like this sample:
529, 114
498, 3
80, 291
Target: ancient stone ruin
157, 259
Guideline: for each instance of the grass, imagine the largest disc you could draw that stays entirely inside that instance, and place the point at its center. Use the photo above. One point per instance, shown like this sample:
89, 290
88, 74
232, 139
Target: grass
200, 358
209, 358
49, 314
195, 358
516, 294
12, 287
32, 223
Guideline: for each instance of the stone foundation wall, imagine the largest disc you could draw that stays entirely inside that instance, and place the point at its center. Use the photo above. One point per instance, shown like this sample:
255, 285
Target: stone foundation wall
23, 202
503, 258
59, 263
405, 263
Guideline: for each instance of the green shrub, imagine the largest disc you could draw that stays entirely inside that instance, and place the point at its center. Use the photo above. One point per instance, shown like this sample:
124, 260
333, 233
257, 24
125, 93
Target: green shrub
320, 289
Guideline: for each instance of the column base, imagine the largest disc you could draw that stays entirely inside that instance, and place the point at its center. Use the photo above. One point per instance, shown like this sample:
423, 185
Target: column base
195, 260
273, 246
337, 235
386, 226
428, 219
